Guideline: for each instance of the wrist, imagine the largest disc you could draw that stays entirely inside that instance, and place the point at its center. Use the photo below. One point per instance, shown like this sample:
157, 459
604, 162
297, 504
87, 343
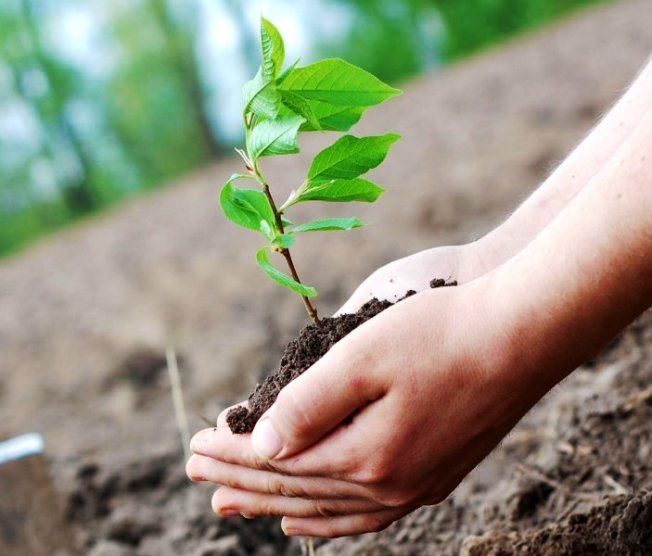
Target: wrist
483, 255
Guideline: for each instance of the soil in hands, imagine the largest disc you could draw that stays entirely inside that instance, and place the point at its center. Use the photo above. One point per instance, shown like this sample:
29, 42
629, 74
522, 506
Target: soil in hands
312, 343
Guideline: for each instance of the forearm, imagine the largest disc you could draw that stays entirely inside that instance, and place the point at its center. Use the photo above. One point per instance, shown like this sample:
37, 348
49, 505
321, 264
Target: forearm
589, 273
573, 174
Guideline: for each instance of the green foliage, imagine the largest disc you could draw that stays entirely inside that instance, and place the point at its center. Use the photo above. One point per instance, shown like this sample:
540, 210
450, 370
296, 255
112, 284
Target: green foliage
350, 157
248, 208
332, 118
261, 97
277, 136
328, 225
338, 83
273, 49
337, 191
283, 279
328, 95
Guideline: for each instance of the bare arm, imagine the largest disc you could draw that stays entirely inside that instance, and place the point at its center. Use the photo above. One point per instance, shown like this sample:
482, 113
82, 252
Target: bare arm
468, 262
581, 166
591, 268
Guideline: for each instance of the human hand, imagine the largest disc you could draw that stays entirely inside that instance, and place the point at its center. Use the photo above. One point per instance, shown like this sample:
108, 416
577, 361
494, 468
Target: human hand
390, 282
455, 388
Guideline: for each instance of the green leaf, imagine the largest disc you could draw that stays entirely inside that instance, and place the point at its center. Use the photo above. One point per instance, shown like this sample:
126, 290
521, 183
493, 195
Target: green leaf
273, 49
286, 72
337, 82
284, 241
261, 96
302, 107
340, 191
247, 207
277, 136
350, 157
267, 230
279, 277
328, 224
331, 118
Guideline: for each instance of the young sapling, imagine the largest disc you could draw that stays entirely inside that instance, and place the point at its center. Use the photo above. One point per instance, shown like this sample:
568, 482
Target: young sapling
330, 95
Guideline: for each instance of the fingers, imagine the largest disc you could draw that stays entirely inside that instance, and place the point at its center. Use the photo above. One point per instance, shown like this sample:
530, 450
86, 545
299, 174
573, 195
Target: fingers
318, 401
345, 455
230, 501
222, 445
336, 460
201, 468
342, 525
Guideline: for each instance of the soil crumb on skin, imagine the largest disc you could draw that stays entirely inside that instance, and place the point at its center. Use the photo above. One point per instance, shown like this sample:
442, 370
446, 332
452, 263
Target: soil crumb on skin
312, 343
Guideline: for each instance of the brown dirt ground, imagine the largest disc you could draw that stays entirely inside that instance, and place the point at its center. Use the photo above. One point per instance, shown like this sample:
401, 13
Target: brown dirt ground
85, 317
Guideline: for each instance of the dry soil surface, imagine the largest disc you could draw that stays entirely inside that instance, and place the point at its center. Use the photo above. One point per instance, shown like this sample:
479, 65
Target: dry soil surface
85, 317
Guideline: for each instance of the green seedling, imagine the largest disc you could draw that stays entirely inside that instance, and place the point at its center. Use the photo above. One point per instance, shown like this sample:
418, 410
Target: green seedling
330, 95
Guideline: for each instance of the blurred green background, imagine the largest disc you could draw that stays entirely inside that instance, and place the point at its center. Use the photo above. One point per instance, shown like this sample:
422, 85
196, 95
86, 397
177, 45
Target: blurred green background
101, 100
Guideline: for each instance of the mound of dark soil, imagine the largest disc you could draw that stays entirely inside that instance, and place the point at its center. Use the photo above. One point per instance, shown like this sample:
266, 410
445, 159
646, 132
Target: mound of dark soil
312, 343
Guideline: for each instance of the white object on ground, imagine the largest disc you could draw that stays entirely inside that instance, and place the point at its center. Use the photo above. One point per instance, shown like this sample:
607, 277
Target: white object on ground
21, 447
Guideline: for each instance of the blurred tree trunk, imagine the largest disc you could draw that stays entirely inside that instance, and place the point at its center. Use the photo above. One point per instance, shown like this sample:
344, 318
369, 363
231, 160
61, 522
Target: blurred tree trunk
181, 48
57, 128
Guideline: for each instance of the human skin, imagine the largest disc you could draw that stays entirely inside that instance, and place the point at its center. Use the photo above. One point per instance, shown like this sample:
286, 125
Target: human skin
467, 262
502, 340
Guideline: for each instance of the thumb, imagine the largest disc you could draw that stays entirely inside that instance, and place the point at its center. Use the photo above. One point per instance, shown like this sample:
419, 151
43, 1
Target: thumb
316, 402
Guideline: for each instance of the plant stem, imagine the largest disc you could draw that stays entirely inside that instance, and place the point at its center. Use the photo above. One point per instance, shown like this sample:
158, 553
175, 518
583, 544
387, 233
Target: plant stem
312, 312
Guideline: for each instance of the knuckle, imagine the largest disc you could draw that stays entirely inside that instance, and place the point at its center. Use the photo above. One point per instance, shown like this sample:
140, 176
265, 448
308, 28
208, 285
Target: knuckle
324, 509
266, 465
394, 499
372, 473
267, 508
278, 486
375, 524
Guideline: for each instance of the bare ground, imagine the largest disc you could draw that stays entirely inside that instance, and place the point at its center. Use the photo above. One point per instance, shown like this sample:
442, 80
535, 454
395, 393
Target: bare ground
86, 315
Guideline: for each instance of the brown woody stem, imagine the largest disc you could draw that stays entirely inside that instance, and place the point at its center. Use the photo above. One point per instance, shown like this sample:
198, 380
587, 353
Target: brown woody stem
312, 312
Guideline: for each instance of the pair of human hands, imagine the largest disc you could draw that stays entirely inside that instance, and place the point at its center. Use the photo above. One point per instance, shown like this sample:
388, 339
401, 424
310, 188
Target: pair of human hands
428, 382
434, 382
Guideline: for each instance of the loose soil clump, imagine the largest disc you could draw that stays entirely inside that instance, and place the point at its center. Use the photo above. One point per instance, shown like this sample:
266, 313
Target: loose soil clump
312, 343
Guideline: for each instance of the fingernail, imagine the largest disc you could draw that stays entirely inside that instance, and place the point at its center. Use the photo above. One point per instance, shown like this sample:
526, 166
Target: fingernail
290, 531
265, 441
228, 512
247, 516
